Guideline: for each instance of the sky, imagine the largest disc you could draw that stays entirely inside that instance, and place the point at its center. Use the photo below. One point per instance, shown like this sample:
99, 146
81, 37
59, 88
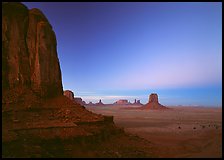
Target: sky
121, 50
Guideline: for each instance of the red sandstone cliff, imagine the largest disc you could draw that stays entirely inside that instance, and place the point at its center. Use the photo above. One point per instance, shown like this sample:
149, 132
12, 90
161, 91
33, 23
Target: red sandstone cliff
29, 56
57, 127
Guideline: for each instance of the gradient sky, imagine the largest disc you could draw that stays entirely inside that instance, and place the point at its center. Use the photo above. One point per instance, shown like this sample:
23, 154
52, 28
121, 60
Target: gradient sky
125, 50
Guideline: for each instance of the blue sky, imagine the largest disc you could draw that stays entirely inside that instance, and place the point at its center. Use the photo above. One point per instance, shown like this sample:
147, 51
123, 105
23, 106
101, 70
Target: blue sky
114, 50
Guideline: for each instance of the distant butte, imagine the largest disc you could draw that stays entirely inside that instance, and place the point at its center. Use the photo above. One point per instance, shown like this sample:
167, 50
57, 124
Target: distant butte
122, 102
100, 103
137, 102
153, 103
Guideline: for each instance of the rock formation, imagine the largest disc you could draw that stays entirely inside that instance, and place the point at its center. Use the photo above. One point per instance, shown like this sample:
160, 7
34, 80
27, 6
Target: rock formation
30, 69
90, 103
56, 127
69, 94
122, 102
153, 103
153, 98
29, 56
137, 102
79, 101
99, 103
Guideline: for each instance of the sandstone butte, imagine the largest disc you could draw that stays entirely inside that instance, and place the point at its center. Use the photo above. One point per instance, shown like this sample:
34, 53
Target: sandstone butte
153, 103
122, 102
37, 118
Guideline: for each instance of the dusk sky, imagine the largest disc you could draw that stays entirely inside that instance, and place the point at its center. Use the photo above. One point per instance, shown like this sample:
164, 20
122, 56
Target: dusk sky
114, 51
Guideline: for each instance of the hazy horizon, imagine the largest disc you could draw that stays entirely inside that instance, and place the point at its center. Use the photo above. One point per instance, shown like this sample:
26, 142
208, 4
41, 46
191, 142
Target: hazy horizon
114, 51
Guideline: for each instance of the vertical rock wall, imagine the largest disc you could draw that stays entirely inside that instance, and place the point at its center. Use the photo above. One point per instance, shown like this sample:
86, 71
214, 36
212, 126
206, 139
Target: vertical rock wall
29, 51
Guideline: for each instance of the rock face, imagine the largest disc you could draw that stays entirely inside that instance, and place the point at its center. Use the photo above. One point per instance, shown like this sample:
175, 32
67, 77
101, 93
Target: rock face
69, 94
153, 103
29, 56
153, 98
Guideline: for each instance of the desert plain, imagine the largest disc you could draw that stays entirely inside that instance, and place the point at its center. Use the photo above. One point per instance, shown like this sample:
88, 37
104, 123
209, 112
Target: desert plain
182, 131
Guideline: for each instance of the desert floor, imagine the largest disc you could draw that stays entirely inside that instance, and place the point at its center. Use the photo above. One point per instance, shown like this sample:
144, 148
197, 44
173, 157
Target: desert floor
177, 132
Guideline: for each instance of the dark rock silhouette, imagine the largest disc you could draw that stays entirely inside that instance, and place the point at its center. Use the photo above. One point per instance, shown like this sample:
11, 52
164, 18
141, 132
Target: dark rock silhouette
29, 56
137, 102
99, 103
153, 103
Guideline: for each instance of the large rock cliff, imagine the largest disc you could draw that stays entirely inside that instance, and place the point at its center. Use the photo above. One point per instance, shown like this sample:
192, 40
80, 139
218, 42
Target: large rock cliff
57, 127
29, 55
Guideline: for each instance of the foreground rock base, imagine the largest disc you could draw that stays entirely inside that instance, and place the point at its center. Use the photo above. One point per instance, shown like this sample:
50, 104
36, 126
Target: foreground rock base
59, 127
153, 106
116, 145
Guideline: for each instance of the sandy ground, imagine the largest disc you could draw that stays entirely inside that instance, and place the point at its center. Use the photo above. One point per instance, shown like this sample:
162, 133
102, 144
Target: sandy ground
177, 132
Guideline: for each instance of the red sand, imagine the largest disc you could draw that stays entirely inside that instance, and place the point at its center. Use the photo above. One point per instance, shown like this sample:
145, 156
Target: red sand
176, 132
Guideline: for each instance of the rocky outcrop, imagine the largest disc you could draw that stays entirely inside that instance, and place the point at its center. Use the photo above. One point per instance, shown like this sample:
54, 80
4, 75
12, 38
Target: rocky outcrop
29, 56
79, 101
153, 103
69, 94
